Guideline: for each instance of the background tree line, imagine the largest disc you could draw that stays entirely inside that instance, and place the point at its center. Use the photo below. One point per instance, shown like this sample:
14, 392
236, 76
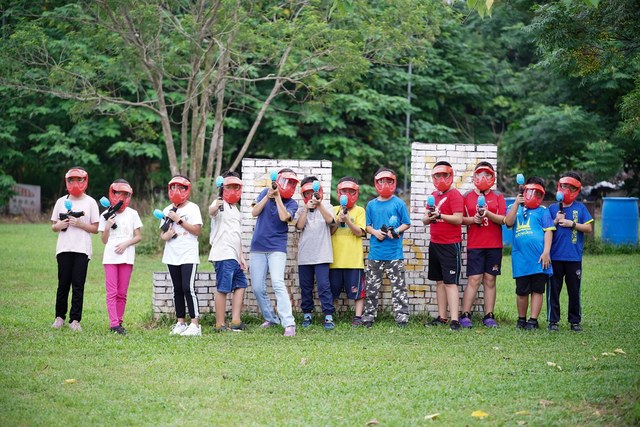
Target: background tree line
142, 89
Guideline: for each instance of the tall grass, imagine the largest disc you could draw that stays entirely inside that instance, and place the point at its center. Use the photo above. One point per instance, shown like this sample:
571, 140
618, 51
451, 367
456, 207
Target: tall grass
384, 375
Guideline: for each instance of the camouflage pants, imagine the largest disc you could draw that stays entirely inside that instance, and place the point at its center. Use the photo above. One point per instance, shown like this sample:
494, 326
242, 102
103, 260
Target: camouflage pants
399, 298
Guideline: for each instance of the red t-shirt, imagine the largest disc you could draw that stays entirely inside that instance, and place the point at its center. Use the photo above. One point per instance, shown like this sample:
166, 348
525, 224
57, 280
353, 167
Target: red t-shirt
449, 202
488, 234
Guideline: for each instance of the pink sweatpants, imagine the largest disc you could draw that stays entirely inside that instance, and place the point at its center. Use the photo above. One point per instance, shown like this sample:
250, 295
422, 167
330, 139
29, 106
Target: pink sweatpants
117, 278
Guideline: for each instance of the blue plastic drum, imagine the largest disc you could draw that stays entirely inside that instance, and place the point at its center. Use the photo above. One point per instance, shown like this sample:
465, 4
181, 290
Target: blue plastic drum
620, 220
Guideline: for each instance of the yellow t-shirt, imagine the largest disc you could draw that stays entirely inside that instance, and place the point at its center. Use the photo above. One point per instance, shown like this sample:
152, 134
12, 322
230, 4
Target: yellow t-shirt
347, 247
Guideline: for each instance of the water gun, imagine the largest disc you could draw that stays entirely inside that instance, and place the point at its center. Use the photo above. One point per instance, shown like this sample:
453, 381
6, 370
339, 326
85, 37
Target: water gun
68, 206
343, 203
520, 181
560, 199
274, 177
431, 203
111, 210
393, 222
316, 194
220, 185
480, 207
167, 221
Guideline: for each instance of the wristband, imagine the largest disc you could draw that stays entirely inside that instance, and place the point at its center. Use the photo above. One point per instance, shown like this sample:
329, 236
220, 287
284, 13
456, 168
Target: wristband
180, 222
573, 227
439, 216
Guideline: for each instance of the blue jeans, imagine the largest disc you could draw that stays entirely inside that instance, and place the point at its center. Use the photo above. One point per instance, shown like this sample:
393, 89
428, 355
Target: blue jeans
309, 274
274, 263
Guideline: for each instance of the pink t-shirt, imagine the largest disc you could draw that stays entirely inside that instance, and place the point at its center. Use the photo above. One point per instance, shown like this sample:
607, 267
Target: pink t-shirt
76, 239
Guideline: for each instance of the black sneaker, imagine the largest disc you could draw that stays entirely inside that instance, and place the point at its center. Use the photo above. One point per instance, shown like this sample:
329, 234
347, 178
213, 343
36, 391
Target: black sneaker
454, 325
553, 327
522, 323
367, 324
437, 322
575, 327
237, 327
401, 324
531, 324
119, 330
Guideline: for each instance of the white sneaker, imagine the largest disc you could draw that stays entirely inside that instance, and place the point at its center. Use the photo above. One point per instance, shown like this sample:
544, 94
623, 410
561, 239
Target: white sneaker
192, 331
178, 329
75, 326
58, 323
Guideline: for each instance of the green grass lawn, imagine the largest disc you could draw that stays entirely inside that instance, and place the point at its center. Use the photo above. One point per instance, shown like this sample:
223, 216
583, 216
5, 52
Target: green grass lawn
350, 377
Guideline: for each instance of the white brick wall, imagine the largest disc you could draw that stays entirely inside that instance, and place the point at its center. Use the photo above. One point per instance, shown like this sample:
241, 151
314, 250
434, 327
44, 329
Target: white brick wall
255, 174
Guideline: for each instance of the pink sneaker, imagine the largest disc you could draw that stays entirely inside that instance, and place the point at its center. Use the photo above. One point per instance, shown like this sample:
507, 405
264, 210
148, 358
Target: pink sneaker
266, 324
58, 323
75, 326
290, 331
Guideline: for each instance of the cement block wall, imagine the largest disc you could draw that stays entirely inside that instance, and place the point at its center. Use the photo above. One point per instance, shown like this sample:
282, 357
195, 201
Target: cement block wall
255, 175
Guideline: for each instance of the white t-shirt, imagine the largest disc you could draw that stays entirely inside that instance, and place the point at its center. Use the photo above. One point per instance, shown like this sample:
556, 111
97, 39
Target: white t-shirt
76, 239
226, 234
314, 246
184, 248
126, 223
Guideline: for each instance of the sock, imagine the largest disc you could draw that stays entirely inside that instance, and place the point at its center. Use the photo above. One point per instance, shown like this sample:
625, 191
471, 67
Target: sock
466, 314
307, 316
328, 318
535, 319
522, 318
235, 323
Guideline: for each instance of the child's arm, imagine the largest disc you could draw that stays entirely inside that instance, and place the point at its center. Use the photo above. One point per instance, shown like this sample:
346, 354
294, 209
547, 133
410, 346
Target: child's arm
545, 259
89, 228
376, 233
511, 215
326, 213
107, 229
121, 247
454, 218
283, 213
257, 208
302, 219
215, 207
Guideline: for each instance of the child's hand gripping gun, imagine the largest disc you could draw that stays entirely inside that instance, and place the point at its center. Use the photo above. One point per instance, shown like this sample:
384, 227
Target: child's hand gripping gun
393, 222
560, 199
481, 206
274, 177
111, 210
68, 206
316, 195
220, 185
343, 204
167, 221
520, 181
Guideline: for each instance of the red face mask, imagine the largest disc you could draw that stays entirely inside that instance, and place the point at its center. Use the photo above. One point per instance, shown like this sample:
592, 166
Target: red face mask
385, 183
179, 190
307, 192
232, 191
444, 177
124, 191
570, 194
533, 195
77, 181
351, 190
287, 183
484, 178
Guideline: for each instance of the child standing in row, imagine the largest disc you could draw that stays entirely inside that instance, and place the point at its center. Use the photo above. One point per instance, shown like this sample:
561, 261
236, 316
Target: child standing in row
530, 256
387, 218
119, 233
181, 253
572, 222
74, 224
484, 243
274, 208
226, 253
347, 271
315, 253
445, 219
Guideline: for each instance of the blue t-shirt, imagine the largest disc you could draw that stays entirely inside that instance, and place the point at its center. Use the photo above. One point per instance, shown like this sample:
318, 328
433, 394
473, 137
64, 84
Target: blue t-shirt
528, 241
270, 234
392, 212
568, 244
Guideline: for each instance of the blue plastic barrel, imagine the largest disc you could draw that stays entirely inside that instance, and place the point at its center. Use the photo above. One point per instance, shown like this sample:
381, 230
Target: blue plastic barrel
620, 220
506, 233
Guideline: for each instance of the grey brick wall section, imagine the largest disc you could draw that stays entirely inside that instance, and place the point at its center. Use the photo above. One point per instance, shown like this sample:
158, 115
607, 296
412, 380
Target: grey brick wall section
255, 173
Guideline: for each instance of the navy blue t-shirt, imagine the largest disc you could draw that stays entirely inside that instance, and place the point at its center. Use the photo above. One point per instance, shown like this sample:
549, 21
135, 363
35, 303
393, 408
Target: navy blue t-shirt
568, 244
270, 234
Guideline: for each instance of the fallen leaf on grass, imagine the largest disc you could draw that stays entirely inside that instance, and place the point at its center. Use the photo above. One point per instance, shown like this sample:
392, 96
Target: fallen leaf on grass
555, 365
551, 364
594, 358
479, 414
431, 417
619, 351
373, 422
597, 413
70, 381
522, 423
606, 353
303, 361
522, 413
545, 402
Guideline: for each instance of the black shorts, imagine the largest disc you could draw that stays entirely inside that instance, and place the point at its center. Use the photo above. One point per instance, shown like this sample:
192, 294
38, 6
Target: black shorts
349, 280
444, 263
480, 261
533, 283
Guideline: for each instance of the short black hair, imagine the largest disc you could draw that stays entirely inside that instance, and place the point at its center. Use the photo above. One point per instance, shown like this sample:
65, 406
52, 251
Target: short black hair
231, 173
121, 181
574, 175
535, 180
283, 170
383, 170
179, 175
442, 163
307, 179
487, 164
349, 179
